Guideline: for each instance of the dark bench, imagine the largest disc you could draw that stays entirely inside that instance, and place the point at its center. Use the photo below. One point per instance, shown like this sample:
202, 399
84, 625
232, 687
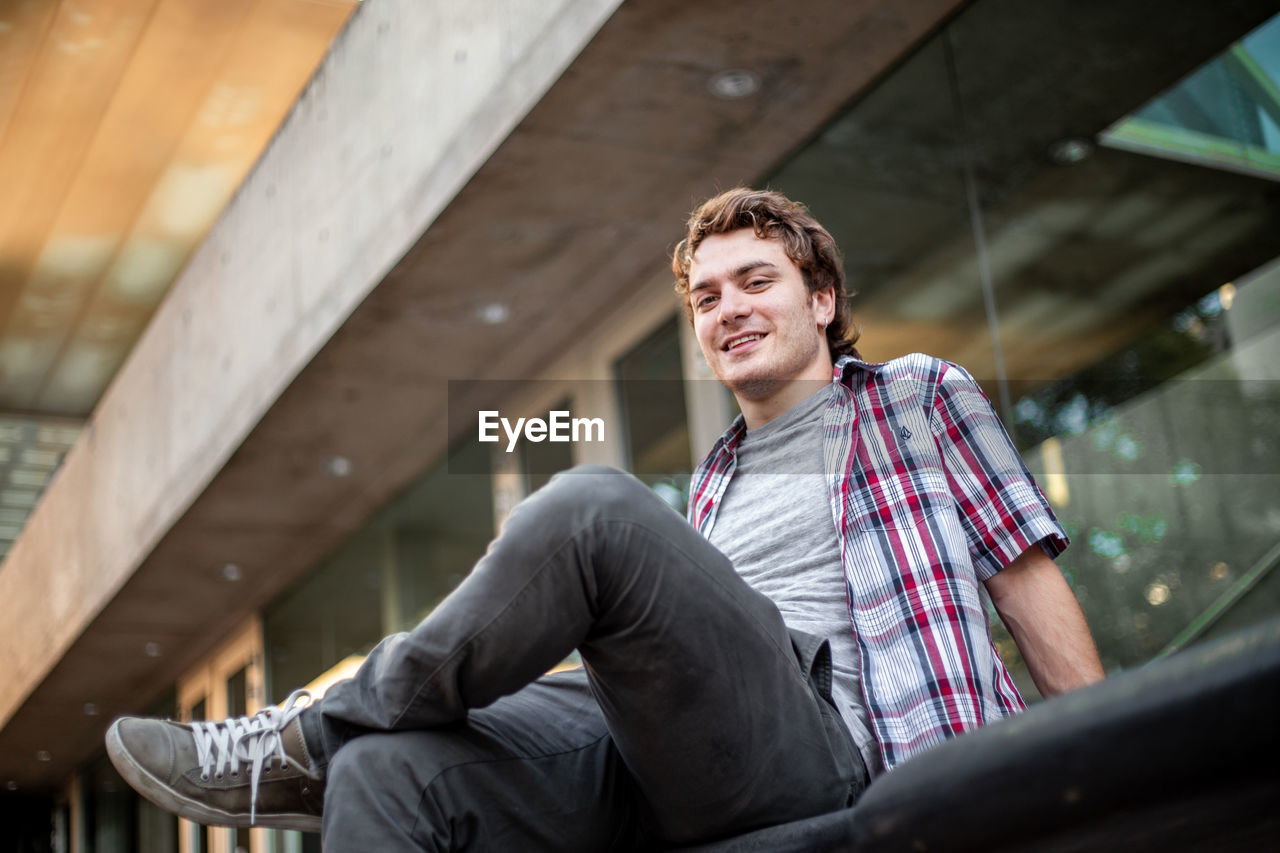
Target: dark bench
1182, 754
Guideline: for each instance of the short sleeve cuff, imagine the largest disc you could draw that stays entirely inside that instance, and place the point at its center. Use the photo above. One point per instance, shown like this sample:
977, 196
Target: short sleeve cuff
1044, 531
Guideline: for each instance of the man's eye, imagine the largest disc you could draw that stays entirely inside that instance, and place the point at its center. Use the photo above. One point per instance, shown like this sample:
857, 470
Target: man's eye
705, 301
758, 282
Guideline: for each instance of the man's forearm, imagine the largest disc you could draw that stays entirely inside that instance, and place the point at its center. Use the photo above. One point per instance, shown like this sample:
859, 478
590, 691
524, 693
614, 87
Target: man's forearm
1046, 622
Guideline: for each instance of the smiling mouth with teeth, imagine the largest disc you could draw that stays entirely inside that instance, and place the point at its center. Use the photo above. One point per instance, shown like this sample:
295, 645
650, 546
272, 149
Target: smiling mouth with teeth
737, 342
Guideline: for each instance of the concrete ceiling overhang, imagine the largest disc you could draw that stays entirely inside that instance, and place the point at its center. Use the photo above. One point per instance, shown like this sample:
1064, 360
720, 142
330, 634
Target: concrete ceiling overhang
576, 209
125, 126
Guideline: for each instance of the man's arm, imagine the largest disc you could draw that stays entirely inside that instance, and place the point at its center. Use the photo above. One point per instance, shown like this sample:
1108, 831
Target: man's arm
1040, 611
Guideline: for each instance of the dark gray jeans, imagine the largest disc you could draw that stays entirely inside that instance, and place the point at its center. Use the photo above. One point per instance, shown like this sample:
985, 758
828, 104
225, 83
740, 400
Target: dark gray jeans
697, 715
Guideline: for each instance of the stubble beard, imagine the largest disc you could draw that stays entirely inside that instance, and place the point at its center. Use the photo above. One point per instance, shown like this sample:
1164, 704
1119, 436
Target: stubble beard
755, 388
769, 380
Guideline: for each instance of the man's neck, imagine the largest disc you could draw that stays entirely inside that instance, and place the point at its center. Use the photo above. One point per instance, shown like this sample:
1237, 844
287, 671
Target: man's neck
760, 409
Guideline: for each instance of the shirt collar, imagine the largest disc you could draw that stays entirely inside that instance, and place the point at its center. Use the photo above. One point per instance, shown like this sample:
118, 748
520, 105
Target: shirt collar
732, 436
847, 367
843, 372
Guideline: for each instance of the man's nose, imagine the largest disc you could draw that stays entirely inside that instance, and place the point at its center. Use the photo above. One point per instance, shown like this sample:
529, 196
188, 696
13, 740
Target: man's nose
734, 305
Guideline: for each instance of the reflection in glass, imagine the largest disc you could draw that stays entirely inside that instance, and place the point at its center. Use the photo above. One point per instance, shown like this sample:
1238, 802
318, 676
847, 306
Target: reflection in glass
651, 393
541, 460
1137, 296
1225, 115
118, 820
386, 577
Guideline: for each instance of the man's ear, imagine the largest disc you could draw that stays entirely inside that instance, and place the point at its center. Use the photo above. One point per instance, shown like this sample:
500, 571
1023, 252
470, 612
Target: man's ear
824, 302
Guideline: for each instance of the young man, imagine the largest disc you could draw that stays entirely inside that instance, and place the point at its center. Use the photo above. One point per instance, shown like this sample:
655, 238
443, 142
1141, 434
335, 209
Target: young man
926, 492
841, 527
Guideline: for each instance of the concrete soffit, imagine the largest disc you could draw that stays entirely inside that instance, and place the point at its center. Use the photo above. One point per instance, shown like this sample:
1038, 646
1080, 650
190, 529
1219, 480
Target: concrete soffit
445, 159
342, 191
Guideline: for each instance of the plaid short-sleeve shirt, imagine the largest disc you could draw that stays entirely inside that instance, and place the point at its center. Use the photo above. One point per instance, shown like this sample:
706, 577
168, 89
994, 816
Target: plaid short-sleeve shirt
929, 497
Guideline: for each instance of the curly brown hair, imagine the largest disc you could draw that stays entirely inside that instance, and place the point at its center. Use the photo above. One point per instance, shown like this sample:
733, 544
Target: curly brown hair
773, 216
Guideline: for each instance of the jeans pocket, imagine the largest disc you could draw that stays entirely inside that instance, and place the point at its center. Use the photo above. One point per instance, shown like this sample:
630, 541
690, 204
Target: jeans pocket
813, 653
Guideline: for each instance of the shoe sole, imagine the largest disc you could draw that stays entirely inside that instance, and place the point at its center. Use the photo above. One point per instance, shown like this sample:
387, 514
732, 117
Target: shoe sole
155, 790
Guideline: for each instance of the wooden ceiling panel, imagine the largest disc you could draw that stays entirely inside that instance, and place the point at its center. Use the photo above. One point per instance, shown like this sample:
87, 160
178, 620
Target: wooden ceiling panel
23, 26
275, 47
164, 84
63, 98
127, 126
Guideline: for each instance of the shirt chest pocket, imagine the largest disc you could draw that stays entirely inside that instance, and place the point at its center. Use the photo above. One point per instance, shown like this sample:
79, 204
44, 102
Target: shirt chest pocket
898, 479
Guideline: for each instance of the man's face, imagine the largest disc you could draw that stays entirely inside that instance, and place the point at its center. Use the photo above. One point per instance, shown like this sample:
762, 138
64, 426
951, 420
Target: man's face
757, 324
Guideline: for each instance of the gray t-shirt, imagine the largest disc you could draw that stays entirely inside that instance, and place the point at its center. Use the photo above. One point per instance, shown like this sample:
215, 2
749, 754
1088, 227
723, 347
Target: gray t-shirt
775, 524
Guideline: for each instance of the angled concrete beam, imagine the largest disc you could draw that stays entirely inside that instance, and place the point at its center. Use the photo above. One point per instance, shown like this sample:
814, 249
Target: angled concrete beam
411, 101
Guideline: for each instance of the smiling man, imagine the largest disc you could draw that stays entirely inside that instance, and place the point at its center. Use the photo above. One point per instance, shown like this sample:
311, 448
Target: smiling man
759, 326
869, 501
818, 623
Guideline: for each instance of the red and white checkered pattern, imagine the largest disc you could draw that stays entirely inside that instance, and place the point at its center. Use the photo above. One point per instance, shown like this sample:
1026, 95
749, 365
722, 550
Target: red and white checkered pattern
929, 497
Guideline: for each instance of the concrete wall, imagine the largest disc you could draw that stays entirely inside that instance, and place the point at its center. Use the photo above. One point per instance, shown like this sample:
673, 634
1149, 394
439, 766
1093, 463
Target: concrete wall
411, 101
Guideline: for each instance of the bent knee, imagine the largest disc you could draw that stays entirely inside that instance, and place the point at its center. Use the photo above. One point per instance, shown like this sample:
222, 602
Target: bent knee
363, 763
392, 759
373, 793
597, 486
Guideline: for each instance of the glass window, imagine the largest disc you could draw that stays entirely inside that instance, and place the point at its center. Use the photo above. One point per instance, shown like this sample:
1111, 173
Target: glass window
542, 459
31, 449
656, 422
1226, 114
238, 693
386, 577
238, 706
333, 613
1165, 468
197, 835
32, 821
114, 817
1120, 305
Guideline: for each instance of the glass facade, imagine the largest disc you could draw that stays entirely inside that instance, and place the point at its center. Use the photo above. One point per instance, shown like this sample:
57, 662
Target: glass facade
540, 461
655, 419
113, 818
1121, 306
31, 449
387, 577
384, 579
1225, 114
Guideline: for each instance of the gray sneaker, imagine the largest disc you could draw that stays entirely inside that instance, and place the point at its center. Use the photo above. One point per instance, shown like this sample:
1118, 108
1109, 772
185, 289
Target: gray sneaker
245, 771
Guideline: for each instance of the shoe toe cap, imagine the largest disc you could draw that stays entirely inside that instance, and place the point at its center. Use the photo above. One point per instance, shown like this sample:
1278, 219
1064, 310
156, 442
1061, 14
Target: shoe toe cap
146, 744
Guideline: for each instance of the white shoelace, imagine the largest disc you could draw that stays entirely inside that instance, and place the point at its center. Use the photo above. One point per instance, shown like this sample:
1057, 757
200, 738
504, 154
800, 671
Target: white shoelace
253, 740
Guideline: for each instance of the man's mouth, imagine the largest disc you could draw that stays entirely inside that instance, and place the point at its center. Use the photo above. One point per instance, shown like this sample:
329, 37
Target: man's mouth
734, 343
